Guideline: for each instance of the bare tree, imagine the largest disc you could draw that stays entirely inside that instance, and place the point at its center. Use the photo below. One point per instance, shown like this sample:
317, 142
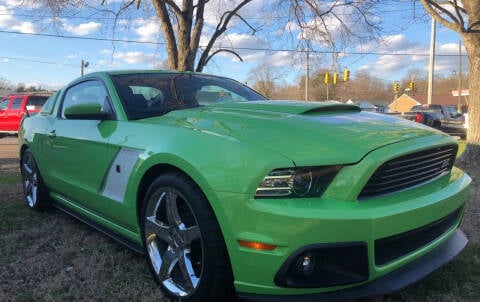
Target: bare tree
182, 48
264, 79
334, 24
5, 84
365, 86
464, 18
190, 46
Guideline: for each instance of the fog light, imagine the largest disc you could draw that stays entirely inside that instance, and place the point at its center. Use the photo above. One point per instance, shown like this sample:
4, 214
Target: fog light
305, 265
308, 264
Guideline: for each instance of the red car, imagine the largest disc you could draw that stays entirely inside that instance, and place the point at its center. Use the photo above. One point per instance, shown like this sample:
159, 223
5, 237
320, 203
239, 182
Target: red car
14, 107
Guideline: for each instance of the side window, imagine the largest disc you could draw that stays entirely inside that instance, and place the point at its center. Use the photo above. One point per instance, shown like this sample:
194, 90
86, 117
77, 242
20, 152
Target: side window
4, 104
36, 102
16, 104
86, 92
47, 108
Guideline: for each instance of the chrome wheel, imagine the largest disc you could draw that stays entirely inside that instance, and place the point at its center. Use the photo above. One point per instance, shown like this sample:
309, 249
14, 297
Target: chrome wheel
30, 179
174, 242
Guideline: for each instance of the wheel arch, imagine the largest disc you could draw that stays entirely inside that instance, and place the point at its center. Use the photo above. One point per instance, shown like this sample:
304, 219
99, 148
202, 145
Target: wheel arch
155, 170
159, 169
23, 148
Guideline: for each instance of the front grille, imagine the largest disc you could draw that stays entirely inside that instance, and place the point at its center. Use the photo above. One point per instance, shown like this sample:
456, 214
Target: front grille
390, 248
410, 170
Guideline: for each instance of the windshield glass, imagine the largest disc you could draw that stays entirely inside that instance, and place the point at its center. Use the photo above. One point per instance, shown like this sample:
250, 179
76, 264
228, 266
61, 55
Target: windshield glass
452, 110
151, 94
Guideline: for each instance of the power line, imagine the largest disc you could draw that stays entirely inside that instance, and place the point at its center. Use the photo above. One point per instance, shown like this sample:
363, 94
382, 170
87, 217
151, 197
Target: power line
32, 16
361, 53
80, 38
36, 61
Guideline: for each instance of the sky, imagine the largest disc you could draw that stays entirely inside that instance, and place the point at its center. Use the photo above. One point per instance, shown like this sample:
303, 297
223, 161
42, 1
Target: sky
47, 51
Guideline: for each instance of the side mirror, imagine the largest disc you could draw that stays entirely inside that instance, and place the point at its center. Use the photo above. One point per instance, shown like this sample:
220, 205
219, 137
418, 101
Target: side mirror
86, 111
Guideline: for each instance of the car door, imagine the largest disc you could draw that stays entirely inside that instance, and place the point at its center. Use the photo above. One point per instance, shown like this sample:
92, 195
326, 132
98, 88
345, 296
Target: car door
78, 150
15, 113
454, 118
4, 104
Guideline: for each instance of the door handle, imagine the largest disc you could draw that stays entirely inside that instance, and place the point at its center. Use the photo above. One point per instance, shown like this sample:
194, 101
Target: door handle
52, 134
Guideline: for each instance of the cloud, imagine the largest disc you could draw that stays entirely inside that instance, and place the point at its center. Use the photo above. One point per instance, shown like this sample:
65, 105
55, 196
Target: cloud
392, 43
9, 22
402, 54
136, 57
82, 29
216, 8
72, 56
243, 44
107, 52
147, 30
24, 4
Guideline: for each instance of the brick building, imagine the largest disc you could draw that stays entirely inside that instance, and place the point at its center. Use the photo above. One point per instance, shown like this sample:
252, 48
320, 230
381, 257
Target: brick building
404, 102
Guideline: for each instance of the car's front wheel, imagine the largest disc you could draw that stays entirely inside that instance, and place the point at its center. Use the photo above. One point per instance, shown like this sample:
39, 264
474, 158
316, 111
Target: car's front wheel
185, 247
34, 190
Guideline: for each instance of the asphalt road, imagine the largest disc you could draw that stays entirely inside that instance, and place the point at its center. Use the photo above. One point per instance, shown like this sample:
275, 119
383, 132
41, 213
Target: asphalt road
9, 147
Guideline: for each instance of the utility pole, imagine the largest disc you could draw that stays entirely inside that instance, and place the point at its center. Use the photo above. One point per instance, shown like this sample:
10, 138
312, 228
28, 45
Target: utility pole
307, 76
84, 65
432, 61
459, 106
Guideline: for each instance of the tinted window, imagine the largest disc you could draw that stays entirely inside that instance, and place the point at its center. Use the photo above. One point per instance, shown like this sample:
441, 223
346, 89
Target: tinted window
452, 110
152, 94
83, 93
47, 108
4, 104
36, 102
17, 103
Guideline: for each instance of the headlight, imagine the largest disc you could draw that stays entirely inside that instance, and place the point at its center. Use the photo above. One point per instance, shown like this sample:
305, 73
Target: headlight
297, 182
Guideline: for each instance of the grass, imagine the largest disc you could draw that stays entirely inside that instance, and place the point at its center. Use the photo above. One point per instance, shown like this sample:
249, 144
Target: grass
461, 146
9, 178
50, 256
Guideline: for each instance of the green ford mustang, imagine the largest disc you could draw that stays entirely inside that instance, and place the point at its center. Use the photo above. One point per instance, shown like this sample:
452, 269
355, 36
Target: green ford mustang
229, 194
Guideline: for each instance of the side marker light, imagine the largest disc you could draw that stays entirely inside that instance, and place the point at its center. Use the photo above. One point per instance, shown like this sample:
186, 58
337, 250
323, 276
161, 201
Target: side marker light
257, 245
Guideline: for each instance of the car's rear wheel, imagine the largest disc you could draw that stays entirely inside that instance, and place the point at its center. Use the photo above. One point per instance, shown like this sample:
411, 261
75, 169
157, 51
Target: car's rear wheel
34, 190
186, 250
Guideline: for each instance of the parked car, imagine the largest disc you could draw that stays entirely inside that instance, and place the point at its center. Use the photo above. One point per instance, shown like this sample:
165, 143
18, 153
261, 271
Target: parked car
14, 107
444, 118
228, 193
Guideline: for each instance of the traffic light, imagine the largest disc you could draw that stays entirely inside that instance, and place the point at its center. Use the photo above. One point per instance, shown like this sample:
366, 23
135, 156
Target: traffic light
335, 77
411, 85
395, 87
346, 75
327, 78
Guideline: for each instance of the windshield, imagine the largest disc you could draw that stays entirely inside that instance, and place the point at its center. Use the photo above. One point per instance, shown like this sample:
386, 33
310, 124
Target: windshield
151, 94
452, 110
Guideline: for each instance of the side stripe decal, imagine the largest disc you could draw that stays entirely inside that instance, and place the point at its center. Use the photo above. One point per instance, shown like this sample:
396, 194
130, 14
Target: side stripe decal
119, 173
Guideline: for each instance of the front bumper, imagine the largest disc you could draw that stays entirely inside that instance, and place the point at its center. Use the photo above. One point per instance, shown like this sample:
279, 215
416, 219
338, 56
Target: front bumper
339, 218
391, 282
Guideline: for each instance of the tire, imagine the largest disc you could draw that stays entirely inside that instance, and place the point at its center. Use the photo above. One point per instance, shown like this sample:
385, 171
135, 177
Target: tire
34, 190
185, 249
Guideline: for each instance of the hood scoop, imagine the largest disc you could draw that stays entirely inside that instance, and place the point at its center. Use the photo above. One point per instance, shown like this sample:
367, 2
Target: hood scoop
333, 107
290, 107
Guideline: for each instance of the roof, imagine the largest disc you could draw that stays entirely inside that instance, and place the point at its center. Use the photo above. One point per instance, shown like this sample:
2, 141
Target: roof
37, 93
439, 99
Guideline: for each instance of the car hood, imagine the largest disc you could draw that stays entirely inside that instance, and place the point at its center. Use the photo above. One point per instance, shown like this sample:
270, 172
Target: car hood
306, 132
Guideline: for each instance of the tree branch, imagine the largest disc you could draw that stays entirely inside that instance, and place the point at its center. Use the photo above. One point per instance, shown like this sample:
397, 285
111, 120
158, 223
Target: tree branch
167, 29
224, 50
221, 28
432, 6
